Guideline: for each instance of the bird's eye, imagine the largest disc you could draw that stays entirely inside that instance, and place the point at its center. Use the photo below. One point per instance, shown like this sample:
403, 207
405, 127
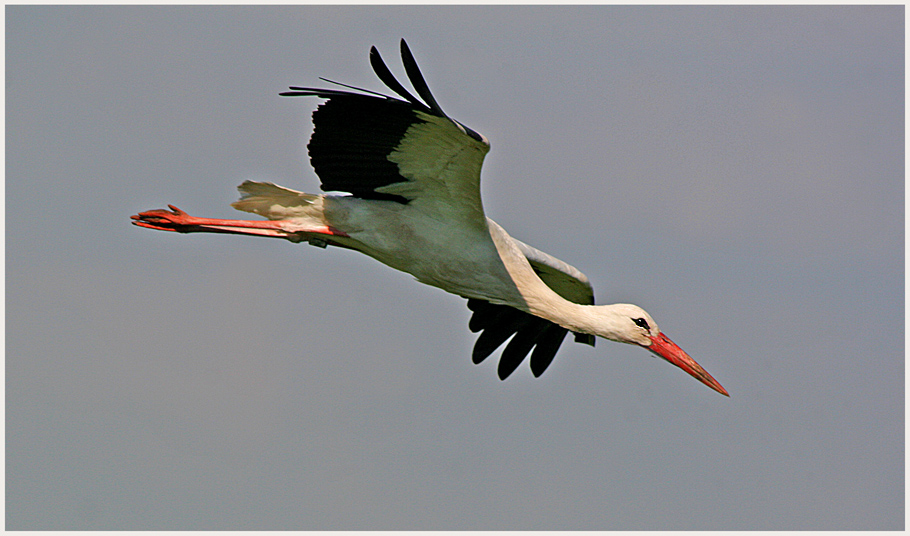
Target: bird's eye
642, 323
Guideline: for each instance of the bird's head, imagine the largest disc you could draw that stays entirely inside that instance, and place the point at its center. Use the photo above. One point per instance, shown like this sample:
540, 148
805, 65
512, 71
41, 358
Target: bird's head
633, 325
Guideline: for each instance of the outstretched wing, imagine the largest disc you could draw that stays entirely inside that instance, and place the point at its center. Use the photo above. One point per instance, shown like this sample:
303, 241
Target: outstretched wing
374, 146
407, 150
530, 334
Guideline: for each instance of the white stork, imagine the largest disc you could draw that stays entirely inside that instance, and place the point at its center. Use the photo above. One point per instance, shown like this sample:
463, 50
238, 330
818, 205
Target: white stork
412, 178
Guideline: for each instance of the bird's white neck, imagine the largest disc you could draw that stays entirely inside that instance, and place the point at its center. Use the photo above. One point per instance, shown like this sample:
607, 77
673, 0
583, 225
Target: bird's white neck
607, 321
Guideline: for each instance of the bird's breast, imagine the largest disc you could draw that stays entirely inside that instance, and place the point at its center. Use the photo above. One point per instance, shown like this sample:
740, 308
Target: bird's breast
461, 259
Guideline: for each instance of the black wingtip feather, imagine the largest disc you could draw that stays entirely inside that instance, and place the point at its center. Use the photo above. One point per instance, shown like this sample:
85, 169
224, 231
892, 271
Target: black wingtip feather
530, 334
494, 335
546, 349
417, 80
387, 78
520, 346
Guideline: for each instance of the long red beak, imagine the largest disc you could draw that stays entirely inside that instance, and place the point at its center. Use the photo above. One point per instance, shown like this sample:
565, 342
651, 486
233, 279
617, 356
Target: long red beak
667, 349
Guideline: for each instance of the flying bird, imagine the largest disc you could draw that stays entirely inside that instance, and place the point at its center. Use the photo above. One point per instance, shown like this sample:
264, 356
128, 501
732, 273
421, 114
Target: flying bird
404, 183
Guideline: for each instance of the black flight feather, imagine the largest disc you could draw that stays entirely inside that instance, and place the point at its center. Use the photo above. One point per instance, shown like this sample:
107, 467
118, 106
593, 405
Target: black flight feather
416, 78
547, 345
520, 345
384, 74
499, 322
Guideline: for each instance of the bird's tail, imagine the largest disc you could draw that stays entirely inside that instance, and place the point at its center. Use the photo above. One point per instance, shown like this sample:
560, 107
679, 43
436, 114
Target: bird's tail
277, 202
299, 215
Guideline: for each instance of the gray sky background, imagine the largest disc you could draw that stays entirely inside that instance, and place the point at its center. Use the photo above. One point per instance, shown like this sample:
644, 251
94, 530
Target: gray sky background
736, 171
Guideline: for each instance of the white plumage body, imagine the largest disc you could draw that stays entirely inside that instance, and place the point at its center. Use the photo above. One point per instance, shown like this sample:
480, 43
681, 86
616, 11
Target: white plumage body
404, 237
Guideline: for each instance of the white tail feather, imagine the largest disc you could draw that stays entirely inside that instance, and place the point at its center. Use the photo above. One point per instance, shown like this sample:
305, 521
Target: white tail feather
278, 203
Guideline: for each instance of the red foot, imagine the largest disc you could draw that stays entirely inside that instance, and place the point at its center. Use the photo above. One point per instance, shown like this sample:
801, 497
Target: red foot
164, 220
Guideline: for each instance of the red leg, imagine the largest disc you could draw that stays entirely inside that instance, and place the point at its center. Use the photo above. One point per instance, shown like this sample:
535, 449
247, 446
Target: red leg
181, 222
